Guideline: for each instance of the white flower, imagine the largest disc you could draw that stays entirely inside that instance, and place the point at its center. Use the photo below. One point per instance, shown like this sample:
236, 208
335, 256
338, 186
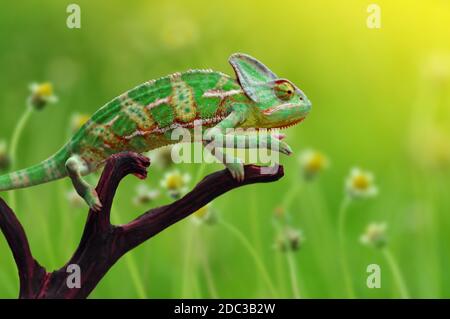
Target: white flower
175, 183
312, 163
290, 238
145, 194
375, 235
360, 184
41, 95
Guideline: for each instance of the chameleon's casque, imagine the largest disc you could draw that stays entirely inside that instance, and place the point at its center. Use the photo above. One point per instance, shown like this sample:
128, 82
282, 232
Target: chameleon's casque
143, 118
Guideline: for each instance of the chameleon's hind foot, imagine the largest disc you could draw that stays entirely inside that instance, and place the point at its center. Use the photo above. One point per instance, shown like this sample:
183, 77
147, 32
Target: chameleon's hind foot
91, 198
234, 165
76, 167
236, 169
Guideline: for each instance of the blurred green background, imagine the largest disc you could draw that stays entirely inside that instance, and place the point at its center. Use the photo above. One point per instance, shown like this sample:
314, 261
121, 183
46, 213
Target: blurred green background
381, 101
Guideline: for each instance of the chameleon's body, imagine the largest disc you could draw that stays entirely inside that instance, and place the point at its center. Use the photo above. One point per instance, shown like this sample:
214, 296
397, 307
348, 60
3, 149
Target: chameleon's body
143, 119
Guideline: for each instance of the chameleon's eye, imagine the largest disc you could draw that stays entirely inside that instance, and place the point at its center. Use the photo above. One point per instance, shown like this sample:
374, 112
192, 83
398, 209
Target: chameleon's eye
284, 90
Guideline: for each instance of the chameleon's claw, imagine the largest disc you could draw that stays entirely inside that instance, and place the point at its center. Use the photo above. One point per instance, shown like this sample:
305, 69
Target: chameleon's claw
236, 171
285, 148
96, 207
93, 201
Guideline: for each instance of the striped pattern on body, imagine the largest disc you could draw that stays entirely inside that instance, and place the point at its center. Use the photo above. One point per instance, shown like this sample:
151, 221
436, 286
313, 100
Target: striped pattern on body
139, 120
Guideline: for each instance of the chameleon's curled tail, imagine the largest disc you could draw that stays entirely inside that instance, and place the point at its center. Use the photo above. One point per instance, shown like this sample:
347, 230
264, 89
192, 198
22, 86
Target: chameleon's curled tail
48, 170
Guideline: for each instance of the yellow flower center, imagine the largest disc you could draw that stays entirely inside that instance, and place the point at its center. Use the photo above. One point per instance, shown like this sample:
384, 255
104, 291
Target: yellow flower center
316, 162
201, 212
372, 232
79, 121
44, 89
360, 182
174, 181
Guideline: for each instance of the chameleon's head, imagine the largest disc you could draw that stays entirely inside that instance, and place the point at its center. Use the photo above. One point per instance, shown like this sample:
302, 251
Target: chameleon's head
279, 103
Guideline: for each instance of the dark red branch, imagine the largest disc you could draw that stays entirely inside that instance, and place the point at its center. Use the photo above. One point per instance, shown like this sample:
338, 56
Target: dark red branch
102, 244
31, 274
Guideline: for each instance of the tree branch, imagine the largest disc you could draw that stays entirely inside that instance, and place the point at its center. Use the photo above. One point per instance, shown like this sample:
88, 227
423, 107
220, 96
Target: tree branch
102, 244
29, 269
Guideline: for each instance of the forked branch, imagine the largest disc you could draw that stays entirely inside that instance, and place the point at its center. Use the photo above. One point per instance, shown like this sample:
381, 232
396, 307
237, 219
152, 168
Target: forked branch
102, 243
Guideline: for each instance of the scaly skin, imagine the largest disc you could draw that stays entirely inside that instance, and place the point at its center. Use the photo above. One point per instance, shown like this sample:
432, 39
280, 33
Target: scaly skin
143, 119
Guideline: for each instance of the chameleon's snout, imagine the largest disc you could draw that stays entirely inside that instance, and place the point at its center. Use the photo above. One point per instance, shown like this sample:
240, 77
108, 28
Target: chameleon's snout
307, 107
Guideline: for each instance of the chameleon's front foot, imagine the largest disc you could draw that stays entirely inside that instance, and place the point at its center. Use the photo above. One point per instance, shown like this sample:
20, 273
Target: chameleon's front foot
284, 148
236, 169
277, 144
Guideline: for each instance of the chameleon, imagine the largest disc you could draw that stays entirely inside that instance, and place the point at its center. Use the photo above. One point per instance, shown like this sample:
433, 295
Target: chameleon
143, 118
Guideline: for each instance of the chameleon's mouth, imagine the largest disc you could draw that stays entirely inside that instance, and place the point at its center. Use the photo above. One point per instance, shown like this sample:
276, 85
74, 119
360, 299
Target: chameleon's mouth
292, 123
274, 109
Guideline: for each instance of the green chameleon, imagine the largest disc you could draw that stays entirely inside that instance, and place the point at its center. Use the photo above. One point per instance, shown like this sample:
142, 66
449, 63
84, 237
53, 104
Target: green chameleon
143, 119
